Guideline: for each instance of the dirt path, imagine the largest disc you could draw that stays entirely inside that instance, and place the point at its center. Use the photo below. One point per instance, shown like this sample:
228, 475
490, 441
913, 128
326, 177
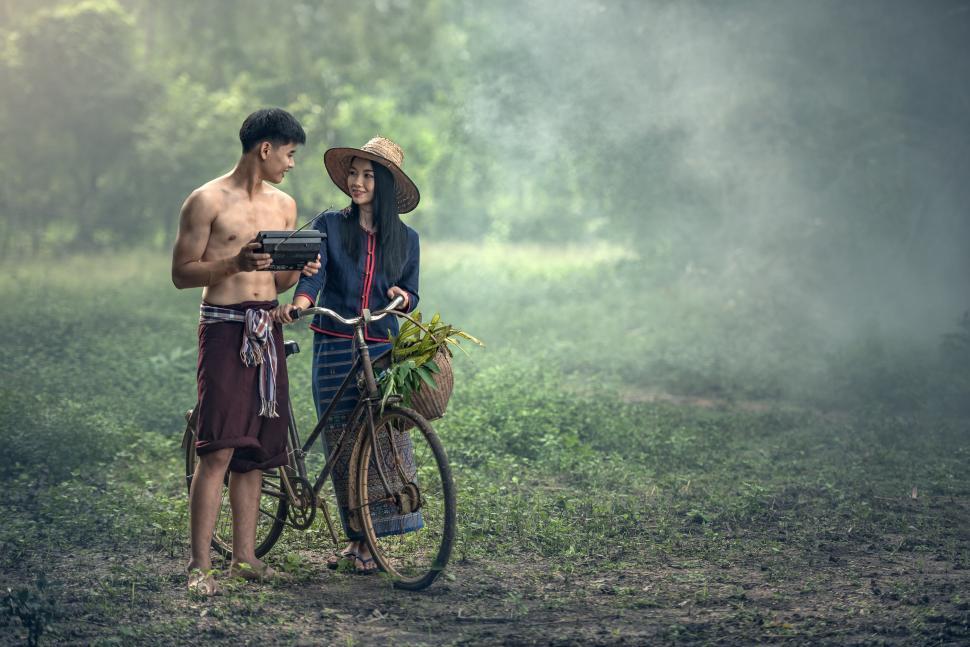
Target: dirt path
846, 596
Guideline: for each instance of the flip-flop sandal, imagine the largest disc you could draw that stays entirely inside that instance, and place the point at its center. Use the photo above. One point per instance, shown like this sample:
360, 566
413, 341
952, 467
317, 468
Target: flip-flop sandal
333, 562
265, 573
366, 570
203, 584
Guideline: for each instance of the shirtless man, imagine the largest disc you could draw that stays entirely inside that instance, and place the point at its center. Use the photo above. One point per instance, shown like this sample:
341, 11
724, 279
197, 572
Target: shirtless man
239, 426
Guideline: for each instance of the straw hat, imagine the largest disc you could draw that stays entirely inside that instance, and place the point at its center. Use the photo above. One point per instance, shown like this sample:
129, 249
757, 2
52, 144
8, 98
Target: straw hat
382, 151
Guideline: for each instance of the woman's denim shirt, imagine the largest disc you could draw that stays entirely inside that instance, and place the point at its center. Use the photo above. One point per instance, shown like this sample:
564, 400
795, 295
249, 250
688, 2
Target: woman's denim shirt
347, 286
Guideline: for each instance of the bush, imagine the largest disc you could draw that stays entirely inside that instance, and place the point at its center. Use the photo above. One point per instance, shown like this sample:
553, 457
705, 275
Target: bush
32, 607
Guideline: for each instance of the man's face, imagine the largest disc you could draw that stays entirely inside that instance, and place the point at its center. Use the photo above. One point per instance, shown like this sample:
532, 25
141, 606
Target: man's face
277, 160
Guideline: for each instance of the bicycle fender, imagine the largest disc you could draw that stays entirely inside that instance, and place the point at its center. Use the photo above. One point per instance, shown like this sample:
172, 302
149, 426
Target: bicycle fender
191, 417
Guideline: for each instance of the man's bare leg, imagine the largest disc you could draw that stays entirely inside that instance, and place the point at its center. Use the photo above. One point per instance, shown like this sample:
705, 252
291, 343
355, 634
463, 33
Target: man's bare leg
244, 490
205, 497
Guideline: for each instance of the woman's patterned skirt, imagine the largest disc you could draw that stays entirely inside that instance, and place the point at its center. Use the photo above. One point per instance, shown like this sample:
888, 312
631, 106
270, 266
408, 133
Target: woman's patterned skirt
332, 360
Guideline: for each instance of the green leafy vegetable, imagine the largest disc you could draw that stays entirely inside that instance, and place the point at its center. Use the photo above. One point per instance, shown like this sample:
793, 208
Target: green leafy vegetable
413, 351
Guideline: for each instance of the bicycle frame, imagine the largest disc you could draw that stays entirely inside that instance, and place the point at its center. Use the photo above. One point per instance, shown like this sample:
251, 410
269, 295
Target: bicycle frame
365, 405
381, 445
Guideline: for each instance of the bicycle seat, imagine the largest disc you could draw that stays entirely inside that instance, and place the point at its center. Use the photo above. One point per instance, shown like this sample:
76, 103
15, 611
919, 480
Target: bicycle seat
291, 347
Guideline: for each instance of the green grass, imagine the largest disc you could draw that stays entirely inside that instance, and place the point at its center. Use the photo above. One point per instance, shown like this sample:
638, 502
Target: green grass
554, 458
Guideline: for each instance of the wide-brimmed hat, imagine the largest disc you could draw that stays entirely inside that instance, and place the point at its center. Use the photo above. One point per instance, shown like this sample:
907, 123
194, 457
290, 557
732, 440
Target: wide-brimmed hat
382, 151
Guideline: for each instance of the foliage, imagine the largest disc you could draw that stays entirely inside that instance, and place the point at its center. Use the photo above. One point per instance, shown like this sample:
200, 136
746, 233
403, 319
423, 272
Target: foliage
559, 460
81, 93
124, 133
127, 106
753, 211
412, 355
32, 607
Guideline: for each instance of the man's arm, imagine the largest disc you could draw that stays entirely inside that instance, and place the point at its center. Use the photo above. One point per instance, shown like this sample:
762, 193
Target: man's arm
195, 226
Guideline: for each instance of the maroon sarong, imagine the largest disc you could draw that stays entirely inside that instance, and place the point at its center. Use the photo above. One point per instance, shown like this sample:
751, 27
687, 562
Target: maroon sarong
229, 397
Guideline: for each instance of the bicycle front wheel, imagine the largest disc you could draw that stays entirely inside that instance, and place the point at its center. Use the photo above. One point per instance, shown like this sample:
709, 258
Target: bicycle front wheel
272, 504
408, 517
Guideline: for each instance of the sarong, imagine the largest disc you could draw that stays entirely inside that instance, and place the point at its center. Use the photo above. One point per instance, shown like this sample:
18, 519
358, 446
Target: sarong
332, 359
229, 398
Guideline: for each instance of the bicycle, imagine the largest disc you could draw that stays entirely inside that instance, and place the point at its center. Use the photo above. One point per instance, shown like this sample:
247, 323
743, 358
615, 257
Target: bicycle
409, 472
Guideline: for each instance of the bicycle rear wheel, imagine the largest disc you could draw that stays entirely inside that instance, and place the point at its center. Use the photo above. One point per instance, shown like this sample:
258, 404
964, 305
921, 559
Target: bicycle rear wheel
415, 547
272, 504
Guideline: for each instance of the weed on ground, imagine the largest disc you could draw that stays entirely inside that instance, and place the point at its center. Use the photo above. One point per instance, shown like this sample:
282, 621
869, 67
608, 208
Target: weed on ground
591, 511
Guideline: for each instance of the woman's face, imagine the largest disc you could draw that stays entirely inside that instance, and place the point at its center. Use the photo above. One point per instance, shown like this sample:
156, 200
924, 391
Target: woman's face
360, 181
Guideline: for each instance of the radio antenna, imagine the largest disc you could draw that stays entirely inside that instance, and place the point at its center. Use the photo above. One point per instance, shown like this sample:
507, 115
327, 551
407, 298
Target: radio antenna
302, 227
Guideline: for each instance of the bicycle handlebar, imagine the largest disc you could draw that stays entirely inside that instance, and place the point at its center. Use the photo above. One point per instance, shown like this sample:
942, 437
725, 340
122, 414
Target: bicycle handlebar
366, 317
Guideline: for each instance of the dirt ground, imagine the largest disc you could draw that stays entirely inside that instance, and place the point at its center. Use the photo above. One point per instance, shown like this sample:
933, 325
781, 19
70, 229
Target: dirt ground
721, 586
847, 595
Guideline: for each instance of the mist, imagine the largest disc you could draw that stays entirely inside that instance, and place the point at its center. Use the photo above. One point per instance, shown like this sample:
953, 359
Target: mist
789, 179
718, 254
815, 150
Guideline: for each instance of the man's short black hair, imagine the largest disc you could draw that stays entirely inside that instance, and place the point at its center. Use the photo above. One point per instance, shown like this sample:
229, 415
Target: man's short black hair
274, 125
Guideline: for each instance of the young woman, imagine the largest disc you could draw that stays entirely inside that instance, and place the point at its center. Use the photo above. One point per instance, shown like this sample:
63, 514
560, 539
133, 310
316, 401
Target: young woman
368, 257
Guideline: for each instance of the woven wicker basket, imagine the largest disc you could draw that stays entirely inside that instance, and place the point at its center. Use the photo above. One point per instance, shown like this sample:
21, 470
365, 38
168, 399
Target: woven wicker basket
431, 403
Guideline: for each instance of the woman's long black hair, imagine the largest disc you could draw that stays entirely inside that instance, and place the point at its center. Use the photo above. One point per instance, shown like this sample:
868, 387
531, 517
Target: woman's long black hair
391, 232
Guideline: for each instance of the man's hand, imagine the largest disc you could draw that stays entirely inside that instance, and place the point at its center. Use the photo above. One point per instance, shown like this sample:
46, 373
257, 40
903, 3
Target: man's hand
312, 267
394, 291
249, 260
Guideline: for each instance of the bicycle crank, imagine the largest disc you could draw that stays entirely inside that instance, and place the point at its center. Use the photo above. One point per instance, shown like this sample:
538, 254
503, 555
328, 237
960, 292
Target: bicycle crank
303, 503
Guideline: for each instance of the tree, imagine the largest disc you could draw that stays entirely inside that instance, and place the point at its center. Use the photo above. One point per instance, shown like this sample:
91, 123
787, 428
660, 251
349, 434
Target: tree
76, 97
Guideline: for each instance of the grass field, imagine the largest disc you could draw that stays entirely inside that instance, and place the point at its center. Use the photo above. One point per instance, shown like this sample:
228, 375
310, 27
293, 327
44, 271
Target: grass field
636, 460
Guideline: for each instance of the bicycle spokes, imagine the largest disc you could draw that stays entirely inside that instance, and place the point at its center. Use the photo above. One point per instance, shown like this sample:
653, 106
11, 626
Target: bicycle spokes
410, 526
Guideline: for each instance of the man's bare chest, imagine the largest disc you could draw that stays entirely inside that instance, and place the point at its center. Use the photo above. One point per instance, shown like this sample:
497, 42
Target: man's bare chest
239, 225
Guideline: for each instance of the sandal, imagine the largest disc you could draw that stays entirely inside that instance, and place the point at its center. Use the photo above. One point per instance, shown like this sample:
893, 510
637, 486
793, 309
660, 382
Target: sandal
202, 583
333, 562
366, 570
247, 572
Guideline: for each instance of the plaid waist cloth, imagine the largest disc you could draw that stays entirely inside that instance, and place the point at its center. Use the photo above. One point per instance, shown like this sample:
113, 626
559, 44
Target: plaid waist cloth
257, 348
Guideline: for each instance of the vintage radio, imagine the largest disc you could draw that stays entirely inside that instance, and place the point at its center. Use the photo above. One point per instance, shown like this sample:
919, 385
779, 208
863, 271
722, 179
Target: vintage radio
291, 250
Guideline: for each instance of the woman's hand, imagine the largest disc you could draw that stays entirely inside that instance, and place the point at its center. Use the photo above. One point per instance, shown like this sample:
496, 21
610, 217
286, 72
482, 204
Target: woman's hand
395, 291
283, 313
